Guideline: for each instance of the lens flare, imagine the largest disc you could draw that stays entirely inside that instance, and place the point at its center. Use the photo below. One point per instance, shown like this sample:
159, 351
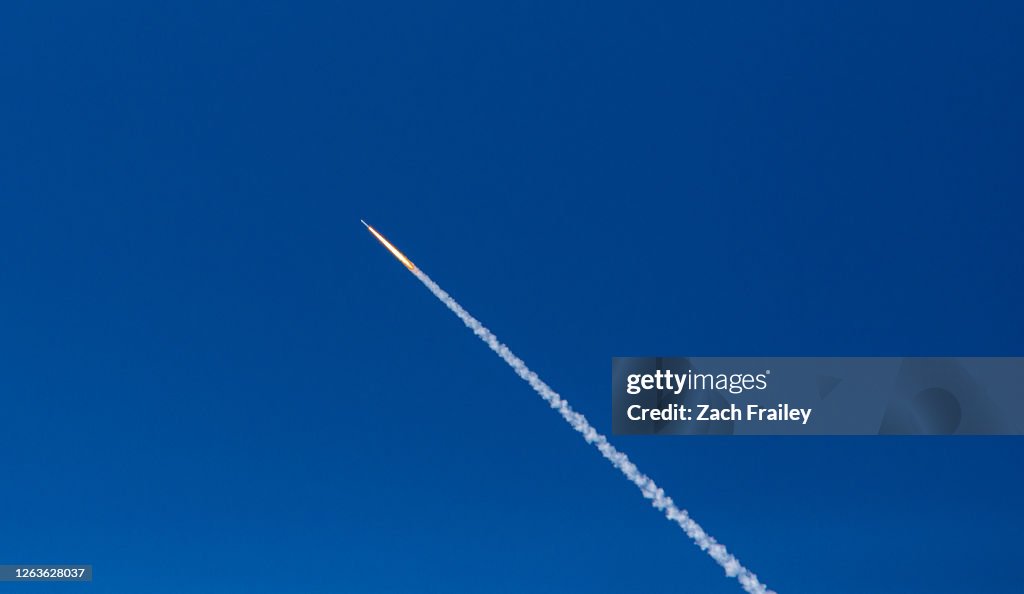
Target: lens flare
394, 251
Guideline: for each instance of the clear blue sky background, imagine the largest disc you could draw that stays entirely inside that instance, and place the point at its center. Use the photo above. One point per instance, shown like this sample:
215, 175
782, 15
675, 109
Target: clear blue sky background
214, 380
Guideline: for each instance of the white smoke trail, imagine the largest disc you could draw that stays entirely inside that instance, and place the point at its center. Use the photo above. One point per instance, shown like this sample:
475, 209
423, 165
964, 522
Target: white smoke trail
651, 491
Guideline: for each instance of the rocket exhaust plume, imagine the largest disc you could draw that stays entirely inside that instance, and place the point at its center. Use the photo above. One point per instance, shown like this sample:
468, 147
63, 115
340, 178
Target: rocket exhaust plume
662, 502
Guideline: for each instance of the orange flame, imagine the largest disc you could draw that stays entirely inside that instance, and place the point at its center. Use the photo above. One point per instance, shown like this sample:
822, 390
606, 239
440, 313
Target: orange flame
394, 251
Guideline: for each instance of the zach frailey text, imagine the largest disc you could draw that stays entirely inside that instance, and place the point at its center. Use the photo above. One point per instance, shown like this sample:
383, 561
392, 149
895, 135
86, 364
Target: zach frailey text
705, 412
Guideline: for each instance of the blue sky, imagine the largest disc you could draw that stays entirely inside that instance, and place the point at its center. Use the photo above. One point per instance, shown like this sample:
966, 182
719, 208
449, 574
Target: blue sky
214, 380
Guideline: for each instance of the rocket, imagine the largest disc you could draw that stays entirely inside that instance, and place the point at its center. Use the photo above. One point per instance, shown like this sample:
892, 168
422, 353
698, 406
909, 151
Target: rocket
394, 251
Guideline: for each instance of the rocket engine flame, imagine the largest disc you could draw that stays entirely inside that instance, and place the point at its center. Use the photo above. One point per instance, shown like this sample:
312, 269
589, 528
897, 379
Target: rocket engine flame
394, 251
